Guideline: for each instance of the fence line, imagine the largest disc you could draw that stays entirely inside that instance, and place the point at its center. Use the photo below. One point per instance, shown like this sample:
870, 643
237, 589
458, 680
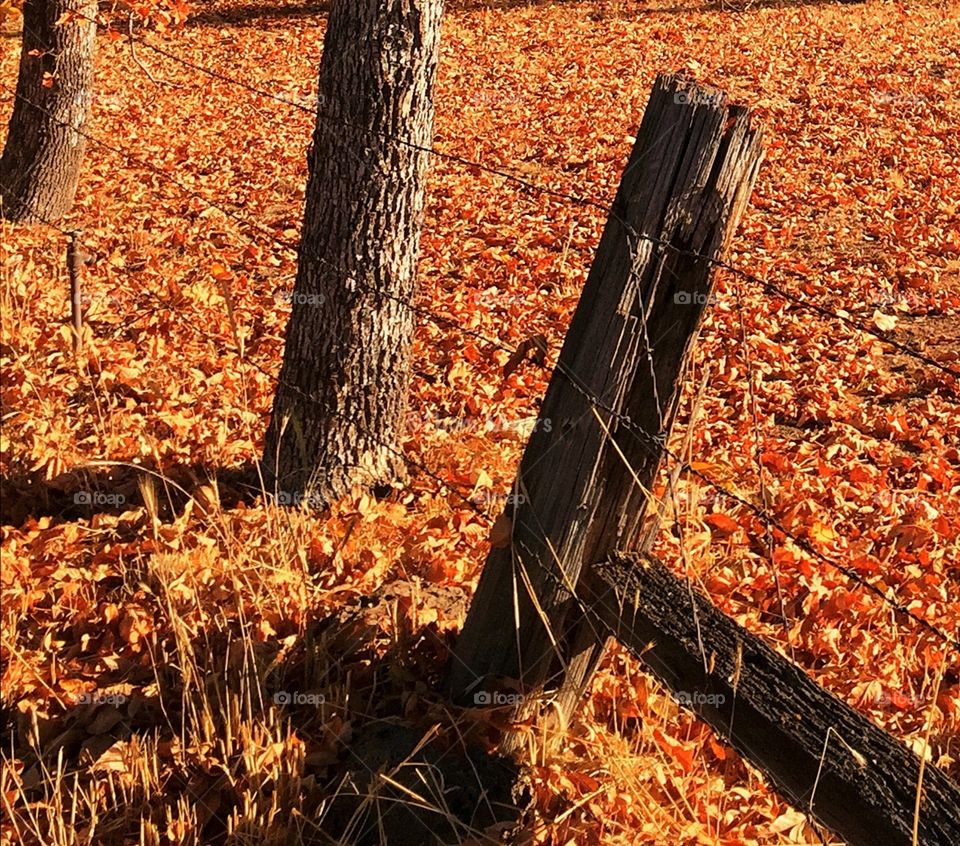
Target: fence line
649, 442
770, 287
317, 112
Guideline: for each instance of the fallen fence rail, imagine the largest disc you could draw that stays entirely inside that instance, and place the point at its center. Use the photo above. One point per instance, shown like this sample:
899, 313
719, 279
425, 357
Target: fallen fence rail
826, 757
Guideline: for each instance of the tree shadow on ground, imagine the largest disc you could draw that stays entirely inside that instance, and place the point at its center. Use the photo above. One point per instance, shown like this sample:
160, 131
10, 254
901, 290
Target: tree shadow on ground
113, 488
256, 14
94, 489
329, 732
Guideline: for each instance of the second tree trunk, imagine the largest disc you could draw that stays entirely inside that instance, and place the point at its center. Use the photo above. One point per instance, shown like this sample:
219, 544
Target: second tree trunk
343, 386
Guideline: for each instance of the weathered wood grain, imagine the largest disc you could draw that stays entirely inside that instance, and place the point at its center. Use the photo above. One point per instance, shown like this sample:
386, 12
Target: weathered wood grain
682, 192
773, 713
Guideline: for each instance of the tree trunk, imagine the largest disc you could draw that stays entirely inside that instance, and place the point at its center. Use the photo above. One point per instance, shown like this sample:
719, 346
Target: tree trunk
343, 385
41, 160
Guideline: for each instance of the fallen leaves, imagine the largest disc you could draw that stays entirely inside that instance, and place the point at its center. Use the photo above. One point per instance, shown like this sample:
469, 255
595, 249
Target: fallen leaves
856, 454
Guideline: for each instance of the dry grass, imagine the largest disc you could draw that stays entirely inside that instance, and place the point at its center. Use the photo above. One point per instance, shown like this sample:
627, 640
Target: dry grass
145, 642
197, 745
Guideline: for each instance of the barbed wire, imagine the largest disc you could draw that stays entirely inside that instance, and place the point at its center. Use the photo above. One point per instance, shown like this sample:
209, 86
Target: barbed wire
809, 305
610, 209
246, 222
318, 113
651, 441
657, 444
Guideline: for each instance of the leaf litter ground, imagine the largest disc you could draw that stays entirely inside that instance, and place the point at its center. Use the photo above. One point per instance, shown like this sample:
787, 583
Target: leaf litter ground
132, 628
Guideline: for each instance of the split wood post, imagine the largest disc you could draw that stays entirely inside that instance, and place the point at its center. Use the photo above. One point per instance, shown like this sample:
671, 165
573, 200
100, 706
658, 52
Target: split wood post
581, 494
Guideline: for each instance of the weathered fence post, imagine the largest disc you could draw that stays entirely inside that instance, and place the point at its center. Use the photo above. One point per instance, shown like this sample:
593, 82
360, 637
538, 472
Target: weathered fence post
581, 491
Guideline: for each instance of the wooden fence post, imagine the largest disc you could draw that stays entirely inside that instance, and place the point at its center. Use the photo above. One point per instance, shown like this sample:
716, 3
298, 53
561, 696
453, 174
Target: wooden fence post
581, 493
74, 265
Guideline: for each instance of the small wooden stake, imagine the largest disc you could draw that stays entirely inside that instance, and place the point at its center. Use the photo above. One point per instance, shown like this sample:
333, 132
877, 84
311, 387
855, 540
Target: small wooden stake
74, 263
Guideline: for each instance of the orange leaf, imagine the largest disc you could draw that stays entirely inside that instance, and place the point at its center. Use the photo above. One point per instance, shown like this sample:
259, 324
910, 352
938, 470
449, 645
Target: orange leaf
722, 525
775, 461
679, 753
220, 273
822, 532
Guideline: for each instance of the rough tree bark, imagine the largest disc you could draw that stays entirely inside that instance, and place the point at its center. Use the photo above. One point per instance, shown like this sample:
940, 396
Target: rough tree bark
343, 385
41, 159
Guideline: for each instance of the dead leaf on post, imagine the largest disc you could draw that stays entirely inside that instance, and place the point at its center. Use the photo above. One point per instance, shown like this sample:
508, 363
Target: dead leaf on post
501, 532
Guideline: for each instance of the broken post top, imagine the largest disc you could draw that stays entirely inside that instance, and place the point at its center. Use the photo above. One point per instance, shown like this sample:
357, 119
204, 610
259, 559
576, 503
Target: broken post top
678, 185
